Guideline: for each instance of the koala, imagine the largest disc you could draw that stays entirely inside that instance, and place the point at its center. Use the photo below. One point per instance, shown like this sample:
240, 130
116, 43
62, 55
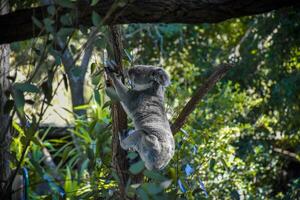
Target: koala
144, 104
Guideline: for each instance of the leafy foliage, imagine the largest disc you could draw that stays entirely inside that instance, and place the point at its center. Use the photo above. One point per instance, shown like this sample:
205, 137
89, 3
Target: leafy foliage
242, 141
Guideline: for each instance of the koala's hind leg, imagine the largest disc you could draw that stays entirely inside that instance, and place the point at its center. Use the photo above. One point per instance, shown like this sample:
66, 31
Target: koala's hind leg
131, 139
150, 151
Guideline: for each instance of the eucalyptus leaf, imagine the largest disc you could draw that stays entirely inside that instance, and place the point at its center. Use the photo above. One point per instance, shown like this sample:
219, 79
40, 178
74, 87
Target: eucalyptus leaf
154, 175
152, 188
94, 2
9, 104
48, 25
19, 100
93, 67
97, 97
65, 3
96, 19
26, 87
65, 32
137, 167
51, 10
142, 194
37, 22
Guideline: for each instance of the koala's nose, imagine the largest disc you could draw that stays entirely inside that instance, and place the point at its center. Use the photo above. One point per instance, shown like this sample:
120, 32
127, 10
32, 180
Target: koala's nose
130, 73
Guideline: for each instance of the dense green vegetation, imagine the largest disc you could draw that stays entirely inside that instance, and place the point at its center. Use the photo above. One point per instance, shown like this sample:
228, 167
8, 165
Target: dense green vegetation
242, 141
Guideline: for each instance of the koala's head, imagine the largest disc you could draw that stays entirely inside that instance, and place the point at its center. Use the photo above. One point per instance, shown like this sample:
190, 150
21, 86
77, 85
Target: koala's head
143, 76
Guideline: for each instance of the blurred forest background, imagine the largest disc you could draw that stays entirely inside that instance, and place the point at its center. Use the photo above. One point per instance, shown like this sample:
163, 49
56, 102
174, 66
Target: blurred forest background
241, 142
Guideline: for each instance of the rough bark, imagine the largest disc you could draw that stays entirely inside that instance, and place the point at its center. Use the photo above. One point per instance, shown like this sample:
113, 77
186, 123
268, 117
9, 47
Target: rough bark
198, 95
119, 117
5, 136
18, 25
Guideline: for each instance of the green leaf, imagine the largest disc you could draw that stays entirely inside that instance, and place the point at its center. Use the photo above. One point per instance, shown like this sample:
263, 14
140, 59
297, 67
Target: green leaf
137, 167
93, 67
97, 97
36, 141
19, 102
65, 32
66, 20
47, 90
154, 175
68, 181
132, 155
172, 173
224, 163
84, 166
152, 188
94, 2
26, 87
96, 19
8, 106
212, 163
51, 10
82, 107
73, 48
65, 81
65, 3
18, 128
142, 194
84, 136
37, 22
48, 25
96, 79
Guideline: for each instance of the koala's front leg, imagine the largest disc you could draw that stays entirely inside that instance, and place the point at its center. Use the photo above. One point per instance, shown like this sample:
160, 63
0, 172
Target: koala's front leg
121, 89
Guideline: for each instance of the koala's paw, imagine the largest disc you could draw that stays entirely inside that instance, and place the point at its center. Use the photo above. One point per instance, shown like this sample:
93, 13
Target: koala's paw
111, 67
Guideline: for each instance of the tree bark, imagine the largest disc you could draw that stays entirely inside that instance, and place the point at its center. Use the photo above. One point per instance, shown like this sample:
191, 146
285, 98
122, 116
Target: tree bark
5, 136
119, 117
18, 25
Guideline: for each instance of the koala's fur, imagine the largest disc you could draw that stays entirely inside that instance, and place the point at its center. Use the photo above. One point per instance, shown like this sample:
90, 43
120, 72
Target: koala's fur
144, 104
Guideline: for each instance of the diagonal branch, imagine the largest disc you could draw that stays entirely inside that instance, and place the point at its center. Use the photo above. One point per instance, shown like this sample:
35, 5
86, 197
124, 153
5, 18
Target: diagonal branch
219, 72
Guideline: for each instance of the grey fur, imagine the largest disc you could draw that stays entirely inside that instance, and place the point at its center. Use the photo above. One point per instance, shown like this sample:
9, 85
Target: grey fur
144, 104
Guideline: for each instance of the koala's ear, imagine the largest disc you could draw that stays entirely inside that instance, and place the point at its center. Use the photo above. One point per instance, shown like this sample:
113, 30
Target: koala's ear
161, 77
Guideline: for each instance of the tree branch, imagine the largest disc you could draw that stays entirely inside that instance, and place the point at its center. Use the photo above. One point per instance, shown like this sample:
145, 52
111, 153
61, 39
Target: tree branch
291, 155
18, 25
219, 72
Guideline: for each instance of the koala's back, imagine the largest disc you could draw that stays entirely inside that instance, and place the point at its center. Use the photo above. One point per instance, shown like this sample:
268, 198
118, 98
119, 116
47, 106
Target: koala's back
149, 116
148, 110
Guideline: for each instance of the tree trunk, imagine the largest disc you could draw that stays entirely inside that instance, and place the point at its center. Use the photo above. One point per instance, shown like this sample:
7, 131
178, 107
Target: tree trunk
5, 136
18, 25
119, 117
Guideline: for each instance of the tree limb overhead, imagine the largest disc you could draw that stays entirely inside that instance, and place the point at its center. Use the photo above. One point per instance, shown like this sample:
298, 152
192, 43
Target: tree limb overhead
18, 25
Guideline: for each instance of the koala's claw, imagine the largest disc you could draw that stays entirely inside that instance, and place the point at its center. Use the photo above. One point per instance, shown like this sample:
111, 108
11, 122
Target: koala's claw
111, 67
